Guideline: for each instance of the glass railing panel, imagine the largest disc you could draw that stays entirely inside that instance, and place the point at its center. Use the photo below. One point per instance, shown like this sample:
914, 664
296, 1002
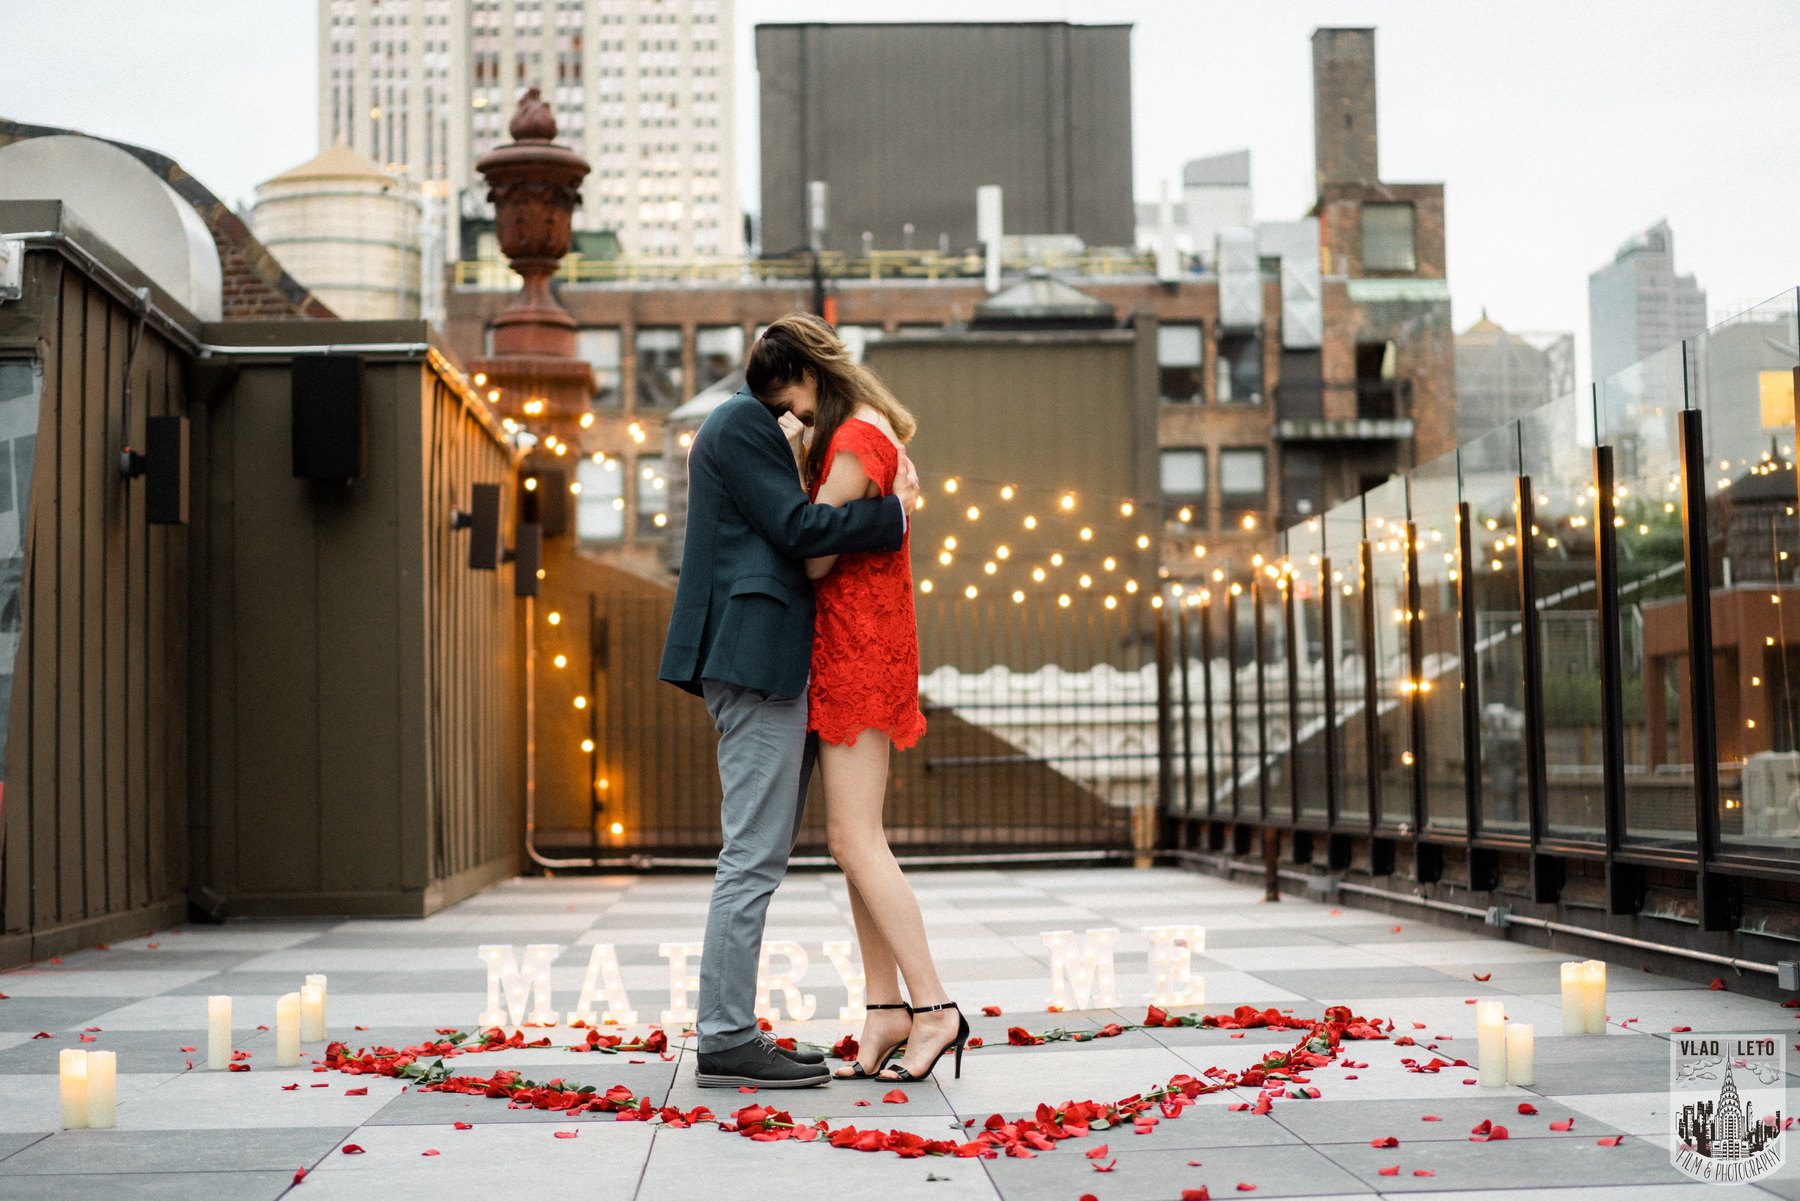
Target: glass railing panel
1240, 608
1343, 545
1741, 378
1385, 526
1490, 468
1639, 417
1311, 587
1442, 757
1556, 451
1272, 721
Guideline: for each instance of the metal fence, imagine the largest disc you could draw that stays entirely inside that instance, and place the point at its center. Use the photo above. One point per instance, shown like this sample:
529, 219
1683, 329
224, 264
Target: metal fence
1041, 741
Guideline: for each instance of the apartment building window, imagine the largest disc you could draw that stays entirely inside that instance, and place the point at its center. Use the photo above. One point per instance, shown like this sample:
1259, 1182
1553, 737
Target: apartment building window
1178, 362
1239, 369
1243, 481
718, 351
1183, 474
659, 368
652, 496
599, 349
1387, 238
600, 506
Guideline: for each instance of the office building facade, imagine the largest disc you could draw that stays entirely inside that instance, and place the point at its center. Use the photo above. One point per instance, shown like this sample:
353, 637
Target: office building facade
641, 88
1637, 304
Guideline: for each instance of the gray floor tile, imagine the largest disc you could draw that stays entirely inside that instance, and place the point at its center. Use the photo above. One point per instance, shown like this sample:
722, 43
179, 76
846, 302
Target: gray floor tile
1520, 1163
15, 1142
145, 1186
746, 1170
135, 1151
1148, 1174
52, 1013
1332, 986
492, 1160
1320, 1122
157, 1051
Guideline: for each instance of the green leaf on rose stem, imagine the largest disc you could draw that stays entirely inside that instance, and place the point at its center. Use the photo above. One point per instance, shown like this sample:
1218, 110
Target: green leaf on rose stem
586, 1088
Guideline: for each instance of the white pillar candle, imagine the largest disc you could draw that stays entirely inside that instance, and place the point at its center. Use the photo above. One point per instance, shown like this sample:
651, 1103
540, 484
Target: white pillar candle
1521, 1054
218, 1033
103, 1089
72, 1072
312, 1013
1593, 997
287, 1030
1490, 1039
318, 982
1573, 1019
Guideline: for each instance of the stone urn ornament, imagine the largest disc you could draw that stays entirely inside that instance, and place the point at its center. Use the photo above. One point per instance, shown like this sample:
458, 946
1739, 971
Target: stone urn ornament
534, 185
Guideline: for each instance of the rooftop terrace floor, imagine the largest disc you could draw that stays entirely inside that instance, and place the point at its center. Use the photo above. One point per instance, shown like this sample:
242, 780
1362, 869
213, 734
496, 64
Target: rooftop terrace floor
208, 1136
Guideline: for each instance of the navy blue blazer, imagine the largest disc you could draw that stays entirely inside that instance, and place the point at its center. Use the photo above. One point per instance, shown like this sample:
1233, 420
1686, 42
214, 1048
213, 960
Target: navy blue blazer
743, 606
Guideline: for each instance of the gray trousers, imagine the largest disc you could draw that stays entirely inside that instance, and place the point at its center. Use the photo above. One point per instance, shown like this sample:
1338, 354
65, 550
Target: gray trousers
765, 762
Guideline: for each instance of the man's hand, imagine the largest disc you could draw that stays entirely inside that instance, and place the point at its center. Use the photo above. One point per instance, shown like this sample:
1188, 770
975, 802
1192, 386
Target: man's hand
795, 432
906, 483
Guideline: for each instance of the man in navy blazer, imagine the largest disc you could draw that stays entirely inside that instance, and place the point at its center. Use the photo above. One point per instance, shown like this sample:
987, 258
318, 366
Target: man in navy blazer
741, 636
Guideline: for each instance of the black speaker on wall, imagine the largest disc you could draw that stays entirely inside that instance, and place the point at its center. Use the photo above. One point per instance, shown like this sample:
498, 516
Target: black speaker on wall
166, 470
484, 527
330, 427
528, 557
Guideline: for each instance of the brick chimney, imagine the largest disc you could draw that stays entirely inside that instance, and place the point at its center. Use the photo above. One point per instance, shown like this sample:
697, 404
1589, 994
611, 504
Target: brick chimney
1344, 148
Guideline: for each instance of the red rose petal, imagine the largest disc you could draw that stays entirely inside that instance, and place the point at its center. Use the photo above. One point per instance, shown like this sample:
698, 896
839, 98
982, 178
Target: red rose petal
1389, 1171
43, 1034
1717, 985
746, 1088
299, 1175
56, 959
429, 1153
894, 1096
1483, 978
1251, 1188
87, 1038
1485, 1126
1468, 1082
1194, 1163
239, 1067
288, 1088
1565, 1124
1423, 1172
1418, 1025
1527, 1108
853, 1102
352, 1149
565, 1133
320, 1085
190, 1048
1239, 1034
464, 1126
992, 1011
1396, 929
1611, 1140
90, 1029
1497, 1134
357, 1092
1430, 1117
1106, 1167
1389, 1141
1097, 1152
1196, 1194
355, 1027
1680, 1029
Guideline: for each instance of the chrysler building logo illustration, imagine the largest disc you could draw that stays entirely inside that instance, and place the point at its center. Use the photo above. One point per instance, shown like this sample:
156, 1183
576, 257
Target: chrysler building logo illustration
1726, 1095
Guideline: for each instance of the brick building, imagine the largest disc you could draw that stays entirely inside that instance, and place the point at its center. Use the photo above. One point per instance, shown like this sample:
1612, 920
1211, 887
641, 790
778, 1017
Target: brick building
1314, 361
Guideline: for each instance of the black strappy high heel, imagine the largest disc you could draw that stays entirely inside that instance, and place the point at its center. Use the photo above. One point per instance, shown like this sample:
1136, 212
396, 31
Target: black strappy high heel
857, 1072
962, 1037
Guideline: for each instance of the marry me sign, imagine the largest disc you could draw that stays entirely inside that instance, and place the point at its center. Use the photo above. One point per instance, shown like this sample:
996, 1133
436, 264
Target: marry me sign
1081, 977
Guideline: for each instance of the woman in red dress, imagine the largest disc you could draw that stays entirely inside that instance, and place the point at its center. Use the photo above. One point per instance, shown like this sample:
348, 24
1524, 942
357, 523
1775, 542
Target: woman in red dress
864, 694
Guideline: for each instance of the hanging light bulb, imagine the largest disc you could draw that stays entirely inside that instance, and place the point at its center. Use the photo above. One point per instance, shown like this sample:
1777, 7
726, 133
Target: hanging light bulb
1031, 523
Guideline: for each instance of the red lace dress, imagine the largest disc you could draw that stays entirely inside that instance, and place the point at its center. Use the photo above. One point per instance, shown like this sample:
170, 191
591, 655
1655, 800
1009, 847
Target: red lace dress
865, 659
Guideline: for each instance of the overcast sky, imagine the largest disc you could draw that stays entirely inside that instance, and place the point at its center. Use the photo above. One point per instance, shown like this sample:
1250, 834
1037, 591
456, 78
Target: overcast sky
1559, 126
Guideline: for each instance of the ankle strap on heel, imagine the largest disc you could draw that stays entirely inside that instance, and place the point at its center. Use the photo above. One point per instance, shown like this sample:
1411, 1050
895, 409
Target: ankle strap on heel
934, 1008
890, 1005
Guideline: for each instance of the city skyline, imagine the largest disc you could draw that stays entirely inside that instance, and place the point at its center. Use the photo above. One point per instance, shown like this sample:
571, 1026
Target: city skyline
1629, 115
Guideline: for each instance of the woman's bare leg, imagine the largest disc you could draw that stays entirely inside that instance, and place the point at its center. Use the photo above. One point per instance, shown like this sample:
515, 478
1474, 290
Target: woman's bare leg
855, 779
882, 1028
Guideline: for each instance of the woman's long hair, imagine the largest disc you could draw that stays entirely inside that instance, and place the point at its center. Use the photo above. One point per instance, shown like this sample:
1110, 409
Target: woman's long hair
801, 345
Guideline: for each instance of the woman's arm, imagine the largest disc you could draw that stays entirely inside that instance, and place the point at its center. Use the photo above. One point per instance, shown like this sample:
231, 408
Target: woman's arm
847, 481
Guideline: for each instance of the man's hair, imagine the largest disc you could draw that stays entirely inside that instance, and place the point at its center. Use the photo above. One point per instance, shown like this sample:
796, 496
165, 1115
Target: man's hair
799, 346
